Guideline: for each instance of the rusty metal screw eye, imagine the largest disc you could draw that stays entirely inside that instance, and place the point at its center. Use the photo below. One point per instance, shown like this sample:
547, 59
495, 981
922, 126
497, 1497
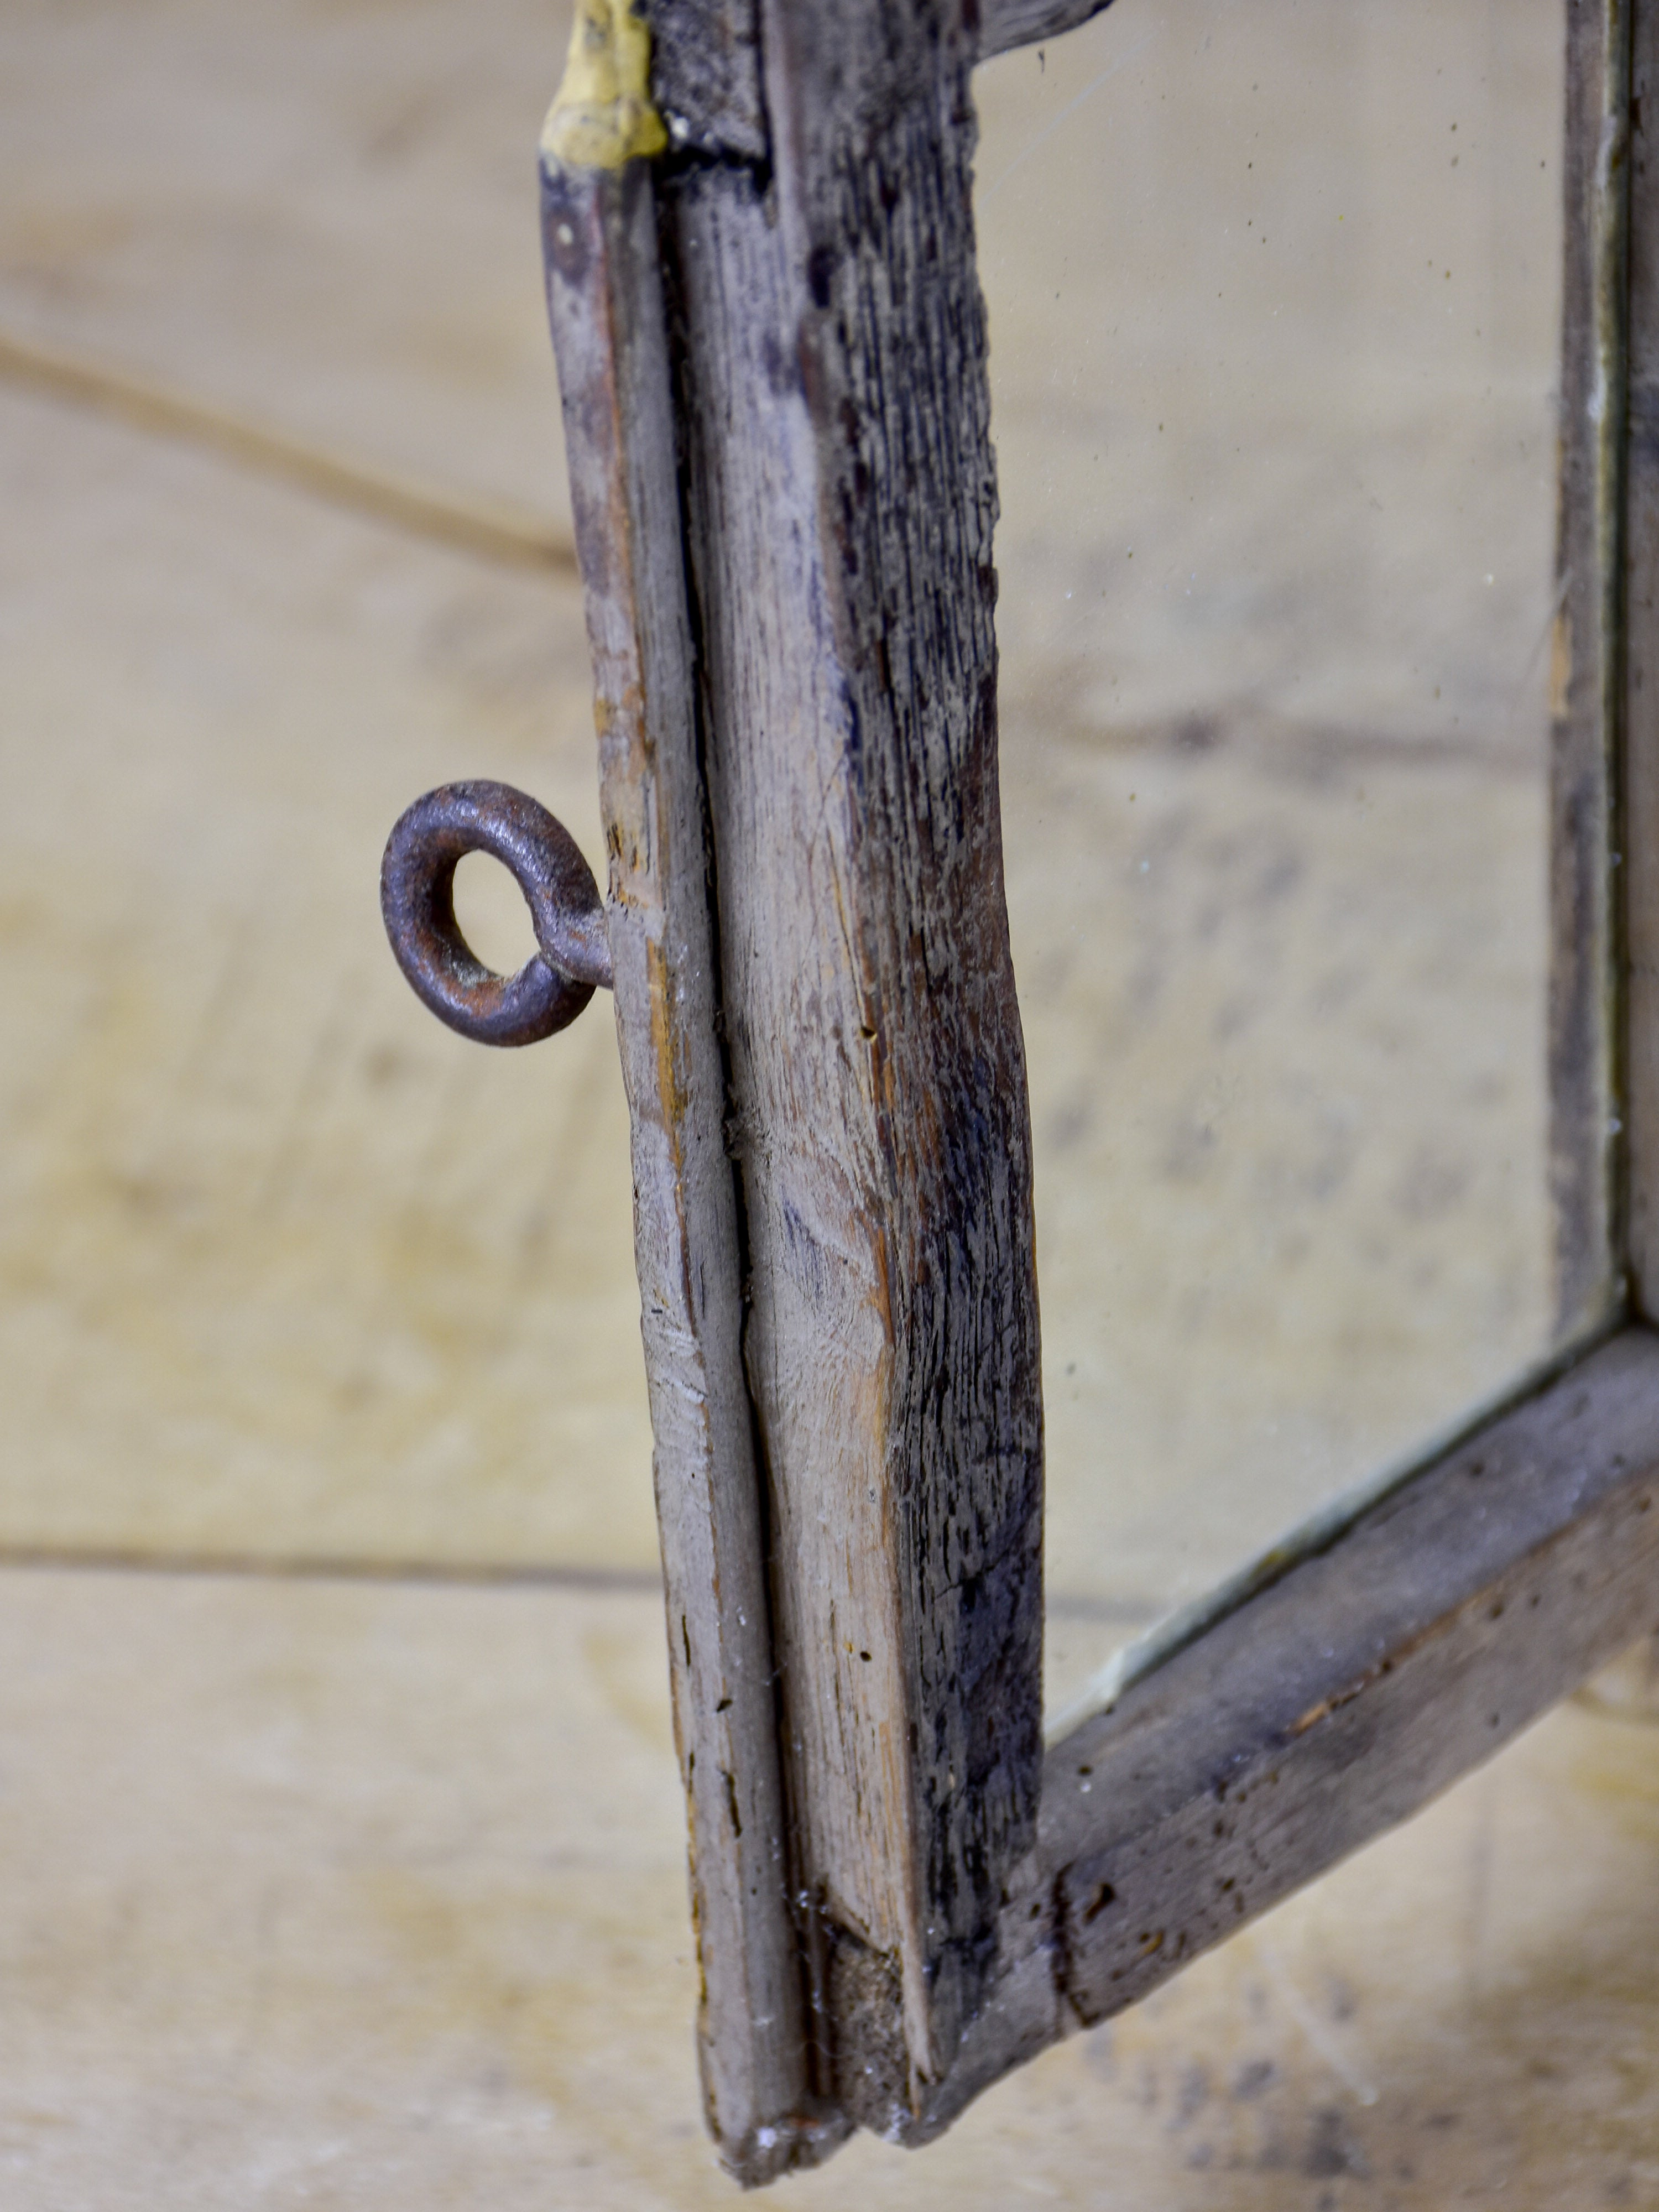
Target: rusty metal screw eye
417, 879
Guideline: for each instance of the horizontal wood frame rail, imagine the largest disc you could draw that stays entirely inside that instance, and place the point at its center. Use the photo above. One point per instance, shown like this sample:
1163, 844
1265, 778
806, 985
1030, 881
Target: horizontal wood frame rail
1332, 1706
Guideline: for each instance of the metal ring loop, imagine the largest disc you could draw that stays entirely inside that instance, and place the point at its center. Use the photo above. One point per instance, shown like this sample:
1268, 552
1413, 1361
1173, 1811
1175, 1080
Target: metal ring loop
417, 878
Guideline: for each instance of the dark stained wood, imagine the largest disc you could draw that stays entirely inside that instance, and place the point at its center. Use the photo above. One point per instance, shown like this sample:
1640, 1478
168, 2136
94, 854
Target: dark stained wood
705, 76
1333, 1704
835, 410
1585, 683
705, 62
605, 303
1638, 842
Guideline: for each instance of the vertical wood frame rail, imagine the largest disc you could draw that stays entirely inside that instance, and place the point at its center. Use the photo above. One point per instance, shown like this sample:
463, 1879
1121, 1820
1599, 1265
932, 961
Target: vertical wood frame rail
771, 350
605, 301
1637, 834
1586, 1153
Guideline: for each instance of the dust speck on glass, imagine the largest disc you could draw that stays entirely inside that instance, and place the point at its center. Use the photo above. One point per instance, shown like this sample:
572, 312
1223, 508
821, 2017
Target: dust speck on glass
1273, 297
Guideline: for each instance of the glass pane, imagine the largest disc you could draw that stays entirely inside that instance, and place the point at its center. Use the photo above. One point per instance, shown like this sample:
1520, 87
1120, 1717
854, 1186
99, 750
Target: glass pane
1274, 298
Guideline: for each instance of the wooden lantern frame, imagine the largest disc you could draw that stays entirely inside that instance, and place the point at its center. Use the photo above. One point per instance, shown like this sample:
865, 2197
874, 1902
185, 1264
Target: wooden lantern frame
771, 344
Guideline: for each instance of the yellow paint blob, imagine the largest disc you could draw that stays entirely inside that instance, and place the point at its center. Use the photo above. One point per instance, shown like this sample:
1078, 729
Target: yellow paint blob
602, 115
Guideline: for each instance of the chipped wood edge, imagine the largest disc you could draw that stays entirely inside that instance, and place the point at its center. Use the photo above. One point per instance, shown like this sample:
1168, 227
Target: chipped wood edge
1005, 24
1332, 1706
606, 310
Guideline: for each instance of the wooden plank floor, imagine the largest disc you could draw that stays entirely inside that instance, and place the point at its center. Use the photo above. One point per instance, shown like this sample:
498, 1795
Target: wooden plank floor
341, 1892
351, 1897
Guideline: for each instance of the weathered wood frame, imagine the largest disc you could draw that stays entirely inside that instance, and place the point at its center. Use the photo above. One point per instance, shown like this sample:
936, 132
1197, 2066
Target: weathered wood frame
771, 352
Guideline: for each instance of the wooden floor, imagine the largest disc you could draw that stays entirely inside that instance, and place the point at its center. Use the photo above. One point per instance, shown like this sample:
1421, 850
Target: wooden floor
353, 1876
355, 1897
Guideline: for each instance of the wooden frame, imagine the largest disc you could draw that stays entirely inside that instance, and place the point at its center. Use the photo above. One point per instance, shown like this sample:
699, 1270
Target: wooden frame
771, 347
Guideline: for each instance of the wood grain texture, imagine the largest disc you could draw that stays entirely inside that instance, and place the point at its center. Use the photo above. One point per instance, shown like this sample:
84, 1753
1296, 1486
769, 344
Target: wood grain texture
605, 305
1585, 682
841, 500
706, 77
1333, 1705
1639, 834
